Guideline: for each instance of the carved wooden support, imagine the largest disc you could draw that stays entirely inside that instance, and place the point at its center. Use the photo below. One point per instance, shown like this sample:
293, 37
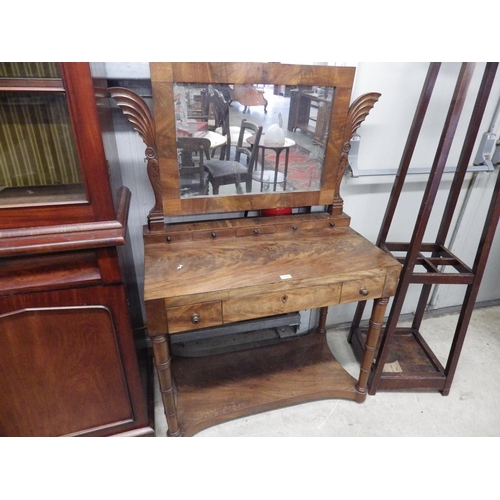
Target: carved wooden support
163, 360
358, 111
140, 116
323, 312
374, 328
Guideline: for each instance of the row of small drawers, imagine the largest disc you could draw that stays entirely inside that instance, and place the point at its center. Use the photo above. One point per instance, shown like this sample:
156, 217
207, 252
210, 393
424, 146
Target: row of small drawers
209, 314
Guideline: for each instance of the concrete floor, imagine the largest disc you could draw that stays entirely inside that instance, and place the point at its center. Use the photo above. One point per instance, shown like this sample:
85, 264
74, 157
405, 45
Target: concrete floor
471, 409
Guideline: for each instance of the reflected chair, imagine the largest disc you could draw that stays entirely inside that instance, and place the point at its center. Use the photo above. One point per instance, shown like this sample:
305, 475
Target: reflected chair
223, 172
218, 123
193, 177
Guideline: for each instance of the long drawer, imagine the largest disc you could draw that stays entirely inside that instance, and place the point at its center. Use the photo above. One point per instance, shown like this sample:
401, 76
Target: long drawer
269, 304
203, 315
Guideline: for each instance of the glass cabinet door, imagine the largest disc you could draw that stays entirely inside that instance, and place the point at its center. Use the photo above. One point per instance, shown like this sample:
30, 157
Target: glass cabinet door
39, 164
30, 70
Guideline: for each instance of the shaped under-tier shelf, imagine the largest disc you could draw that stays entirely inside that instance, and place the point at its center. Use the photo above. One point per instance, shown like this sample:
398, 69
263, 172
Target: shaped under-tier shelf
214, 389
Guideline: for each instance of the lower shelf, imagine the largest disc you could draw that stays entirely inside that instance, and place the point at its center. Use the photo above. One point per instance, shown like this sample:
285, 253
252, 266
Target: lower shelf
410, 363
215, 389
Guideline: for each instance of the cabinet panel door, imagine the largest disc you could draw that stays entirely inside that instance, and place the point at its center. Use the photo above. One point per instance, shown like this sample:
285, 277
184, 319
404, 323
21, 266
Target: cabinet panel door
61, 372
67, 368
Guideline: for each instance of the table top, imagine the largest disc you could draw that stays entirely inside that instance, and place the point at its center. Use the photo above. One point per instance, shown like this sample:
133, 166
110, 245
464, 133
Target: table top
200, 130
192, 129
288, 143
195, 268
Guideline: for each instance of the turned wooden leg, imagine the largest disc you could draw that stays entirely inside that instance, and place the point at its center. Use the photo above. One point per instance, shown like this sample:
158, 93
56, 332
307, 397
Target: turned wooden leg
323, 312
374, 327
163, 361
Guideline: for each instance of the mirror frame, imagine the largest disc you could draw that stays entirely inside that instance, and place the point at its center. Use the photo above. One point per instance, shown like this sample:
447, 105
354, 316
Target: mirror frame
163, 77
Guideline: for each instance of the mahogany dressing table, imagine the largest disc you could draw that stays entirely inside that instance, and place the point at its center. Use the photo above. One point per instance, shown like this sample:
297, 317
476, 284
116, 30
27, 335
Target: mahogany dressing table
233, 269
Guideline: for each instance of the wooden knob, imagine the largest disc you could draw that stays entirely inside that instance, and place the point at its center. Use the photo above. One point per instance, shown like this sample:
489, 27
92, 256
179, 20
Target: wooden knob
363, 291
195, 318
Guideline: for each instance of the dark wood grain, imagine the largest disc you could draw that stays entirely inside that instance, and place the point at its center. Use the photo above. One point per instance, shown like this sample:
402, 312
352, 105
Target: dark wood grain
46, 272
163, 75
219, 272
233, 271
77, 82
68, 361
68, 365
218, 388
223, 268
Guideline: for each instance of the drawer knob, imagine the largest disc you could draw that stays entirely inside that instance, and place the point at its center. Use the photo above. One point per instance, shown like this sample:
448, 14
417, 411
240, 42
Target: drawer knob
363, 291
284, 298
195, 318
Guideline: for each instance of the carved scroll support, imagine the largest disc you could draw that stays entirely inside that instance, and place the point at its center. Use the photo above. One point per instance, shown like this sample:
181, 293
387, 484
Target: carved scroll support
163, 360
140, 116
374, 328
358, 111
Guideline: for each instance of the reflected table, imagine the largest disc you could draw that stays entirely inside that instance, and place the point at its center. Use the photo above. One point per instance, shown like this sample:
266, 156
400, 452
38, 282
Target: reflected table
273, 177
200, 129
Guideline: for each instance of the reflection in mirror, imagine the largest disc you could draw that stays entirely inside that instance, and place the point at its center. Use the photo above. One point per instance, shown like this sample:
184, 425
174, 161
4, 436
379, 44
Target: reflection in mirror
294, 123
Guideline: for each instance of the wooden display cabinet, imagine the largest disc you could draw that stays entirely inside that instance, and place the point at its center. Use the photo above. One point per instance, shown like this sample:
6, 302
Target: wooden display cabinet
68, 362
238, 267
310, 112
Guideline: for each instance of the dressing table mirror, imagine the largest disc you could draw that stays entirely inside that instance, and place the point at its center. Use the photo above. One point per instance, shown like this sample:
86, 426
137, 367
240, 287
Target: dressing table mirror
230, 264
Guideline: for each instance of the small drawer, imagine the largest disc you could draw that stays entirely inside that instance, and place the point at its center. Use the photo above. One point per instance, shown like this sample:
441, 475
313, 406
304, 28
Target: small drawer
270, 304
194, 316
178, 237
211, 234
292, 227
255, 231
369, 288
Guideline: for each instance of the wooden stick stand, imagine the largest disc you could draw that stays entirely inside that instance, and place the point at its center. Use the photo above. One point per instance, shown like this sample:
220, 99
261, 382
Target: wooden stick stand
421, 370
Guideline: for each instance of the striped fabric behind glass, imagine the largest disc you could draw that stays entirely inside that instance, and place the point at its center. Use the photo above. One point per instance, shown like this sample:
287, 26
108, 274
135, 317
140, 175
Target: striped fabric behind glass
29, 70
36, 141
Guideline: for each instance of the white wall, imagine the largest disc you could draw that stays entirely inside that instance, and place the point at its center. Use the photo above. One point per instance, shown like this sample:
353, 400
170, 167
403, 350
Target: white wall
383, 137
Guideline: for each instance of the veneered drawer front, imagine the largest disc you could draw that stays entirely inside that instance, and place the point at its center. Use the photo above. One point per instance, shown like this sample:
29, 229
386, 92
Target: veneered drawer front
364, 289
269, 304
184, 318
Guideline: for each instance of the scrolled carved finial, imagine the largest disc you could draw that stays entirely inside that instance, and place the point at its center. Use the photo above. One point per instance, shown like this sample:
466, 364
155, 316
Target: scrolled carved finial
137, 112
358, 111
140, 116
